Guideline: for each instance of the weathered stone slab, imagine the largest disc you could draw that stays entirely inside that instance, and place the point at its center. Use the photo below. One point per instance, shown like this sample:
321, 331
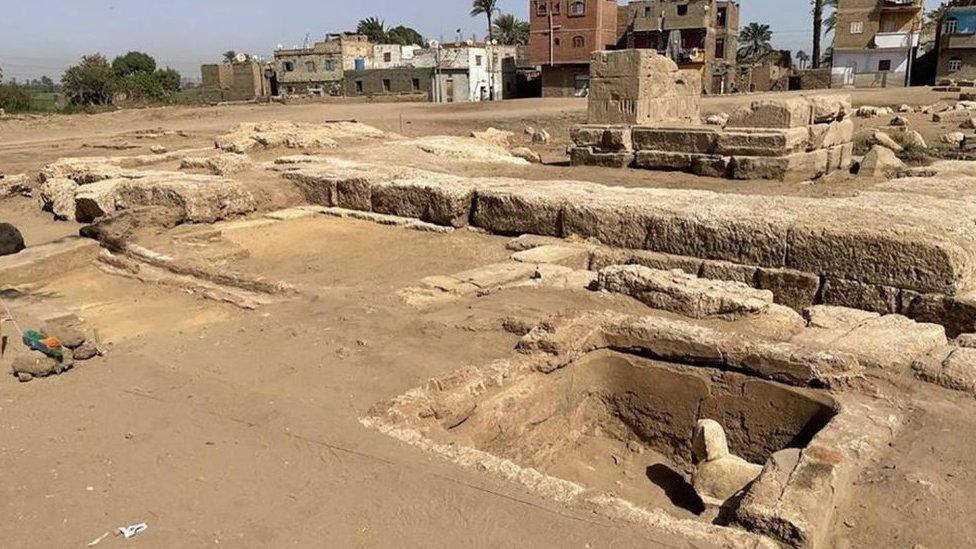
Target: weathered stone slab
725, 270
768, 143
795, 289
440, 199
517, 208
605, 257
663, 161
773, 113
574, 257
801, 166
691, 139
708, 165
591, 156
858, 295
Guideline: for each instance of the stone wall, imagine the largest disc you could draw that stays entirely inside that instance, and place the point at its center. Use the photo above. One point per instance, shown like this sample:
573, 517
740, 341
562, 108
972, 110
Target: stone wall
641, 87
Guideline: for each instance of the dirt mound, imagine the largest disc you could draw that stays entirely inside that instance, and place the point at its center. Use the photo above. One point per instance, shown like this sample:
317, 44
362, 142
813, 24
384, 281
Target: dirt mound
294, 135
465, 148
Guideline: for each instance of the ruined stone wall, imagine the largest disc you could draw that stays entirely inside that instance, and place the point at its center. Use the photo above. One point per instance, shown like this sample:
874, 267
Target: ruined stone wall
641, 87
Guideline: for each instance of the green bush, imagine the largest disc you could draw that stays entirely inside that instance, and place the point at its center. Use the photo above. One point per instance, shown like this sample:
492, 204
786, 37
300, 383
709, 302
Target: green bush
14, 98
91, 82
143, 86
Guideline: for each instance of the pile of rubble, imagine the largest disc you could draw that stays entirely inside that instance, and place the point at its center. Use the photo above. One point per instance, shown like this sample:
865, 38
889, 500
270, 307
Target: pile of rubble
653, 122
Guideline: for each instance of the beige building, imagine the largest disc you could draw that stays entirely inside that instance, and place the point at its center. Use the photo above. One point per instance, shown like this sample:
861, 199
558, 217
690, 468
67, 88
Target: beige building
237, 81
697, 34
319, 69
956, 39
875, 42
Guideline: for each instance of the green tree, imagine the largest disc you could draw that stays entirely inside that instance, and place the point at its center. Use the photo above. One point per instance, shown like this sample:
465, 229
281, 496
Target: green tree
802, 58
374, 29
229, 56
405, 36
91, 82
14, 98
169, 79
487, 8
754, 40
143, 85
510, 30
132, 62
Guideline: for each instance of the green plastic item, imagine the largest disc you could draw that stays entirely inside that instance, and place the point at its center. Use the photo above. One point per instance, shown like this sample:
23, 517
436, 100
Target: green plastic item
37, 341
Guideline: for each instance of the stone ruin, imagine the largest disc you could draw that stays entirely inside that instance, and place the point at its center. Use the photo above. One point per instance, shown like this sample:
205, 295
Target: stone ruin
645, 113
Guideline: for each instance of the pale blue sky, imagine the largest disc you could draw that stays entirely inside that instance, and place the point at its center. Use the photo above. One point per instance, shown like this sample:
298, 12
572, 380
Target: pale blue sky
42, 37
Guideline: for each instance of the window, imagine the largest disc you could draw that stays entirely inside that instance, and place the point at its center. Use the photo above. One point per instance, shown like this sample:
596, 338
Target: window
310, 66
415, 84
387, 57
478, 60
540, 8
330, 64
884, 65
720, 48
556, 7
579, 41
647, 11
557, 41
359, 86
577, 8
950, 25
955, 64
288, 66
857, 27
387, 86
682, 10
722, 18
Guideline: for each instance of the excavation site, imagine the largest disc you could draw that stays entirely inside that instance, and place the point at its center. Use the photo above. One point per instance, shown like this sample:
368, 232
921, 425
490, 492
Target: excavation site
373, 324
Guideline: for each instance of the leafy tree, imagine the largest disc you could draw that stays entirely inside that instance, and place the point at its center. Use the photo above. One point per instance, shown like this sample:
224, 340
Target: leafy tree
229, 56
14, 97
374, 29
404, 36
143, 85
487, 8
133, 62
754, 40
802, 58
169, 79
510, 30
91, 82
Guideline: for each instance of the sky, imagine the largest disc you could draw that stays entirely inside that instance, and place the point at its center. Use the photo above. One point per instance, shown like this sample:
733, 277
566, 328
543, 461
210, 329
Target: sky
43, 37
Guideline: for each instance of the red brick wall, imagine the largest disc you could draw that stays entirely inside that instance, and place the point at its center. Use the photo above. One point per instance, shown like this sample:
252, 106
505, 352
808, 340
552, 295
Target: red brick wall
575, 37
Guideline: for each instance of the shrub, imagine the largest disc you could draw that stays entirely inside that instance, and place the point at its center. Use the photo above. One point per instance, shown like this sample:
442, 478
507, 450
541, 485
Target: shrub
14, 98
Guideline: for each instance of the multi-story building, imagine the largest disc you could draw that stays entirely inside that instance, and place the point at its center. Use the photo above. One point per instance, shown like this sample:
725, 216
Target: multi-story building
696, 34
875, 42
956, 40
563, 34
319, 69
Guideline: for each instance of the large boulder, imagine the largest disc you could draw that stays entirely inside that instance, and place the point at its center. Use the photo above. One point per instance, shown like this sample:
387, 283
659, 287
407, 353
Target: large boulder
11, 241
880, 162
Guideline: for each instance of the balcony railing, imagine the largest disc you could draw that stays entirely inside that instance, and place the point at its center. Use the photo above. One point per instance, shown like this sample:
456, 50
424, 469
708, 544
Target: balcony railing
886, 40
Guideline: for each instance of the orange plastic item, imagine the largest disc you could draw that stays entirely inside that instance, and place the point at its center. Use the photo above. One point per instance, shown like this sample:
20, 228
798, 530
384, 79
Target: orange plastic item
52, 343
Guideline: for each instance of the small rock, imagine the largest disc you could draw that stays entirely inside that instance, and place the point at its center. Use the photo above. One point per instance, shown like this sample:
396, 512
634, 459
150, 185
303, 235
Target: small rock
885, 140
905, 108
528, 154
968, 124
86, 351
914, 139
11, 241
719, 119
72, 338
540, 137
880, 162
157, 149
899, 121
35, 365
953, 138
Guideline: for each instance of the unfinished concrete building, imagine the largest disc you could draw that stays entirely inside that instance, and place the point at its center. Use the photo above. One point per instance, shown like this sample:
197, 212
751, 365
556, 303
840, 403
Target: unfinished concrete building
402, 82
652, 121
563, 34
956, 42
876, 42
319, 69
699, 34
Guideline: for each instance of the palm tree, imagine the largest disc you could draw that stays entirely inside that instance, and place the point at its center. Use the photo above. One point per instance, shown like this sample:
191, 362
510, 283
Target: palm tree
374, 29
802, 57
755, 41
830, 22
510, 30
488, 8
818, 22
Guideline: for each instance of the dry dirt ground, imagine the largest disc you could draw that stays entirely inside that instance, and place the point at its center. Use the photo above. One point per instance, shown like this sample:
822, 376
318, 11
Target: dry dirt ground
217, 425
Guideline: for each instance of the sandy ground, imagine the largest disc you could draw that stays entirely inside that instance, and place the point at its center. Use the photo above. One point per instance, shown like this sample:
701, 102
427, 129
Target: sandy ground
217, 425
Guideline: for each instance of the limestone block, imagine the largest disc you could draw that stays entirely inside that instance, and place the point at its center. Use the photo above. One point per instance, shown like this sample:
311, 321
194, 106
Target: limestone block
645, 110
663, 161
632, 62
574, 257
96, 200
587, 135
441, 199
58, 196
830, 317
515, 209
825, 136
682, 293
880, 162
830, 108
885, 140
801, 166
795, 289
602, 137
957, 314
711, 165
860, 295
588, 156
768, 143
773, 113
605, 257
676, 139
726, 270
840, 157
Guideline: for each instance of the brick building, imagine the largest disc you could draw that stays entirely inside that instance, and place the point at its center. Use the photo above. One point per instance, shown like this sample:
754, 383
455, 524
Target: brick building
956, 42
695, 34
876, 42
319, 69
239, 81
563, 34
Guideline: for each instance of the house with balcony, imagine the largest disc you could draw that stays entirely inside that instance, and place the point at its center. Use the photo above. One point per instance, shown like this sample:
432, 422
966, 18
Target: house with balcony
876, 42
956, 40
696, 34
319, 69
